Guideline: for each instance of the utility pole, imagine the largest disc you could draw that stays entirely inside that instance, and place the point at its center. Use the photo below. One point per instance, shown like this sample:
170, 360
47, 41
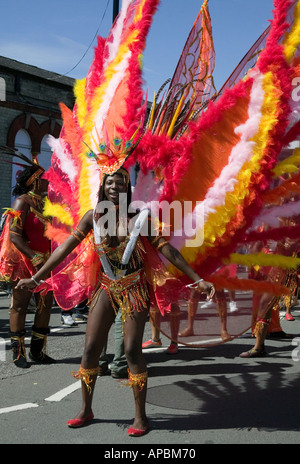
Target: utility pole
115, 9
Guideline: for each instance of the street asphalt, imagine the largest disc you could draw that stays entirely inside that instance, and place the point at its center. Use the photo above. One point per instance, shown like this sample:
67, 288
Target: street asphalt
198, 396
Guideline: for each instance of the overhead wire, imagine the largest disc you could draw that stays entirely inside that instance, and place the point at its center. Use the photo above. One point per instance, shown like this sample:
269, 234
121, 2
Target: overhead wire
88, 48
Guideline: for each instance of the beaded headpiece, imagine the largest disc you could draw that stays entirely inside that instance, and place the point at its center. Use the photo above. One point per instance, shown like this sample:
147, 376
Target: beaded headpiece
32, 163
111, 156
35, 176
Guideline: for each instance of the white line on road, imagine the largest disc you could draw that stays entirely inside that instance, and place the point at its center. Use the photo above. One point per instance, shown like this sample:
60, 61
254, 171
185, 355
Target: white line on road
58, 396
18, 407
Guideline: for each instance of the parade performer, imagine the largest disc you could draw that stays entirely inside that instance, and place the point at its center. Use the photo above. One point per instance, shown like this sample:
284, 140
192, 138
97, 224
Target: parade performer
116, 270
214, 155
265, 316
23, 250
122, 286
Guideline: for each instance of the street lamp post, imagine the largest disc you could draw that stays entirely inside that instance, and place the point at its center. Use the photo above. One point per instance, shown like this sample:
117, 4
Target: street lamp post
115, 9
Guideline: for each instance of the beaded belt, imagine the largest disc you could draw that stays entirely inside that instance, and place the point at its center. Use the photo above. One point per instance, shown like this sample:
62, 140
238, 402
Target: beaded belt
119, 285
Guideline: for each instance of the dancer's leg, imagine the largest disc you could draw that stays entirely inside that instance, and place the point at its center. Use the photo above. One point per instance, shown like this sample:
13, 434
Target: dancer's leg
264, 313
18, 309
133, 336
155, 319
222, 310
192, 311
100, 319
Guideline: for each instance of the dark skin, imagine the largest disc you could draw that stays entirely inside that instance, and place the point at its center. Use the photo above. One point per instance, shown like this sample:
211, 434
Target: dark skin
21, 298
102, 315
21, 205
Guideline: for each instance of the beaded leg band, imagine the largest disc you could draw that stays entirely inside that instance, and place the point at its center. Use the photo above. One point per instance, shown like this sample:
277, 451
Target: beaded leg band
260, 325
85, 375
38, 343
18, 348
138, 380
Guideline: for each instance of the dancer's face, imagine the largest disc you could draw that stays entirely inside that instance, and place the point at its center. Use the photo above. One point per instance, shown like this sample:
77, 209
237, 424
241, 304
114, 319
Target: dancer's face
42, 187
114, 185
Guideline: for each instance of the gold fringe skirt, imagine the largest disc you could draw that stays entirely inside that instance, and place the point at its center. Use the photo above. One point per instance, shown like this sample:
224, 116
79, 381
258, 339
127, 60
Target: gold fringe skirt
129, 293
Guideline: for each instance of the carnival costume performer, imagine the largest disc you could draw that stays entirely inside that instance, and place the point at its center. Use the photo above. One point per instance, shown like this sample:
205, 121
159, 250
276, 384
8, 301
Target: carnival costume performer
217, 152
23, 250
122, 286
118, 272
266, 307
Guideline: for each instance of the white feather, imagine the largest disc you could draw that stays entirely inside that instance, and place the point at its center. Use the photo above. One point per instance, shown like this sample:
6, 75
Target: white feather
66, 163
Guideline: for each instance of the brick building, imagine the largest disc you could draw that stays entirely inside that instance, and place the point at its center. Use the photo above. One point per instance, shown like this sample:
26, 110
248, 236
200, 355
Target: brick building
29, 112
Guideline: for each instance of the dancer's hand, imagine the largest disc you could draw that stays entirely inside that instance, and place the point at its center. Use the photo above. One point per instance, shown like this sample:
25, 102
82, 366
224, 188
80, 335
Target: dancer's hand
202, 286
206, 287
25, 284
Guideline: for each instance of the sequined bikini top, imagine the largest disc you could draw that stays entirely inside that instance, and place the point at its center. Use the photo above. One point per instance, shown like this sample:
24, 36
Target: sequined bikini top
127, 256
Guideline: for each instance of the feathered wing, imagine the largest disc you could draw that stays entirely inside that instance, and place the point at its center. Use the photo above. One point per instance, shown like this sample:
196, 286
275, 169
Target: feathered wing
257, 114
108, 109
188, 93
222, 163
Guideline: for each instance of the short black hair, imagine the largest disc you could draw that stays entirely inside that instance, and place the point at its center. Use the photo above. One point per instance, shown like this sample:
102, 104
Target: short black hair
21, 187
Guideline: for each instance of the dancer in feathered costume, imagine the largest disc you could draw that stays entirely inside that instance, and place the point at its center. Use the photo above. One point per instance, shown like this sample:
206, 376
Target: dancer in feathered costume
23, 250
221, 156
231, 147
112, 251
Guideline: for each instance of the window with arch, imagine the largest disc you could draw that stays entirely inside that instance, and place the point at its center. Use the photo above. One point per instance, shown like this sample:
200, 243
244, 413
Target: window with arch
44, 157
23, 145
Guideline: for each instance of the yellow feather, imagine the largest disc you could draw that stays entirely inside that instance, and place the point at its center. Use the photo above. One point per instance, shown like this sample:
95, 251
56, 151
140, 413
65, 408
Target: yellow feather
58, 211
152, 113
173, 122
292, 40
290, 164
262, 259
79, 92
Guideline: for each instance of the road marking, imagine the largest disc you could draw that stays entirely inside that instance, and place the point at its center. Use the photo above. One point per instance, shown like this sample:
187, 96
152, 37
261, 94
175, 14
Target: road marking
18, 407
58, 396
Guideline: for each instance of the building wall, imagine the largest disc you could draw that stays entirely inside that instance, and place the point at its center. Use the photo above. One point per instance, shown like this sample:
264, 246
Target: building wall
29, 102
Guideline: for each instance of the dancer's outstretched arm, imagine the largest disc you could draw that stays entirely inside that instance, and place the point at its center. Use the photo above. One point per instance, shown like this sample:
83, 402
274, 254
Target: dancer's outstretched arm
176, 258
60, 253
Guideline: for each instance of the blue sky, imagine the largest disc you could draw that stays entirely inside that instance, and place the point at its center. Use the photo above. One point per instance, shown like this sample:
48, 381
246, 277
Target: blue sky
56, 34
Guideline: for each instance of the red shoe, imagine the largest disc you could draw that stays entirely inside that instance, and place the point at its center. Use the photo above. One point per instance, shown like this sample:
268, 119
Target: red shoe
151, 343
132, 432
75, 423
289, 317
173, 349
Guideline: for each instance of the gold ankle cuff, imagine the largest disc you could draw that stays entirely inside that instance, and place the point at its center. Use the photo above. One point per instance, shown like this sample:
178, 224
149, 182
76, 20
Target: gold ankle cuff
138, 380
85, 376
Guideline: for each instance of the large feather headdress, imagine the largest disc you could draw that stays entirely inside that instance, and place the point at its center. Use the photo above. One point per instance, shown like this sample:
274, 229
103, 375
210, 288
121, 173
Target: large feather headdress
107, 120
222, 152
